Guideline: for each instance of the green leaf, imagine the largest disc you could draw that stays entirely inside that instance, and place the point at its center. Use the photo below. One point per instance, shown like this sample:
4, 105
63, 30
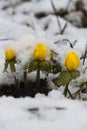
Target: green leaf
12, 66
45, 66
74, 74
6, 66
33, 65
56, 68
64, 78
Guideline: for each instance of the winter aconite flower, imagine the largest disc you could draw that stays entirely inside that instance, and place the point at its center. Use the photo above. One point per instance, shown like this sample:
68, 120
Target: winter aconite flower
72, 61
10, 59
40, 52
9, 53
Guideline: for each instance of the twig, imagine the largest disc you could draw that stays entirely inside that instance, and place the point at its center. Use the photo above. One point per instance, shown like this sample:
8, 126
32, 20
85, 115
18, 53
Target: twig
77, 92
61, 31
56, 16
65, 26
85, 70
70, 94
85, 55
65, 40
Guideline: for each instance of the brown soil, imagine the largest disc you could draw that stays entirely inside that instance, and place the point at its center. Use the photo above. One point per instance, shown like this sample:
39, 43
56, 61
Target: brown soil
23, 90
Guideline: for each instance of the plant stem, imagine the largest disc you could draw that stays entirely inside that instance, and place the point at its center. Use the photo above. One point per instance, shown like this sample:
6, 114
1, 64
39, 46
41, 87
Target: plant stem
25, 78
17, 85
38, 77
16, 82
66, 90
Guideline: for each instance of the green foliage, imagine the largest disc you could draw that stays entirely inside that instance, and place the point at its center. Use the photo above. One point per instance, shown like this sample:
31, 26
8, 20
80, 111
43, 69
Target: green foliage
66, 76
33, 65
45, 66
42, 65
6, 66
56, 67
75, 74
12, 66
10, 63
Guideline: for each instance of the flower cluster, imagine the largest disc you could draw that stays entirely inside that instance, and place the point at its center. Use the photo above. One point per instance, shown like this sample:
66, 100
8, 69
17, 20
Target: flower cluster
40, 57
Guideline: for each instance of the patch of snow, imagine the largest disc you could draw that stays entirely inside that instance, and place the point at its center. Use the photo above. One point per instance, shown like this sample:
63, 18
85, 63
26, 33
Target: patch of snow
42, 112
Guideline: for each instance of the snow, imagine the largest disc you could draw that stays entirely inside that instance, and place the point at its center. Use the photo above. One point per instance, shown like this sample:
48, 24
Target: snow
40, 6
23, 29
52, 112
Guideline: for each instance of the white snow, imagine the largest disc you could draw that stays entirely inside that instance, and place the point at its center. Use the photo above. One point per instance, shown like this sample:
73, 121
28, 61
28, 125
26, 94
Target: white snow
50, 112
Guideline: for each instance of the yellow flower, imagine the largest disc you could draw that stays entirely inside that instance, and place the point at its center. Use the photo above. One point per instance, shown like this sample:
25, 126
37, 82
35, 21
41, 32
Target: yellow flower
40, 52
9, 53
72, 61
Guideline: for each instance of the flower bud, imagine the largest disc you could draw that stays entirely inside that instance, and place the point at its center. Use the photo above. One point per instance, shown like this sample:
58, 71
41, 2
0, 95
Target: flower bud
9, 53
72, 61
40, 52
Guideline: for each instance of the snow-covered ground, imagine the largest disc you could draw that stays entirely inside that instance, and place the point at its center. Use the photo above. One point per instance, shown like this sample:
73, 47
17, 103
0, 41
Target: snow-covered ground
50, 112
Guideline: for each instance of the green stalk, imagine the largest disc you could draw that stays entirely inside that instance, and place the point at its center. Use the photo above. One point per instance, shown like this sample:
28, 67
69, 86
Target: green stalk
65, 90
17, 84
38, 77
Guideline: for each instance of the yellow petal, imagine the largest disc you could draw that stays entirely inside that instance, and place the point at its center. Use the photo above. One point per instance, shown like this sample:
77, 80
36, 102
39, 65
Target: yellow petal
72, 61
40, 52
9, 53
